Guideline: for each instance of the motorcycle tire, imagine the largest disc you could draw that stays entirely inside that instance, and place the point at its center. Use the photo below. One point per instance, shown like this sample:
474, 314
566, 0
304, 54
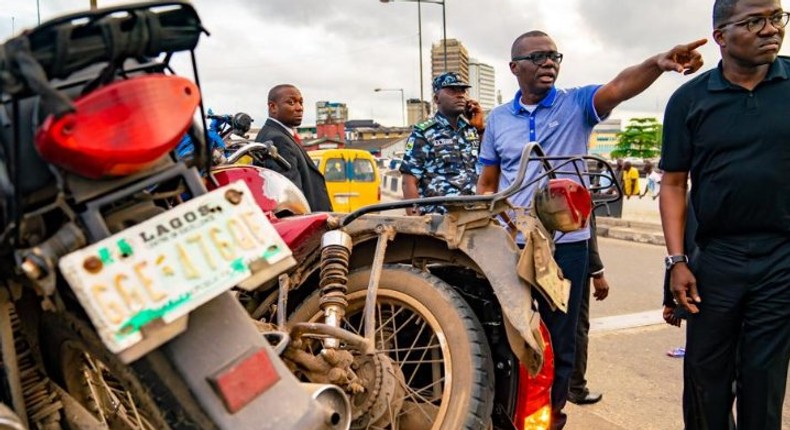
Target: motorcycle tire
467, 393
76, 359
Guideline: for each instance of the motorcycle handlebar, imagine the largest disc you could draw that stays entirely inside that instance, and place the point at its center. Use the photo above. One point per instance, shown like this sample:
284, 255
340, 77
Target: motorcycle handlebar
517, 185
266, 148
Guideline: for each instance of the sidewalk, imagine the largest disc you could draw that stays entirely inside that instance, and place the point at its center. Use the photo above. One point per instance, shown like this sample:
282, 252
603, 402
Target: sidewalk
641, 222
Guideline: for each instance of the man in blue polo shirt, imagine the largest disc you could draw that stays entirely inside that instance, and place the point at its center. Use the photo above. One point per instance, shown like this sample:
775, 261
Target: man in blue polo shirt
561, 120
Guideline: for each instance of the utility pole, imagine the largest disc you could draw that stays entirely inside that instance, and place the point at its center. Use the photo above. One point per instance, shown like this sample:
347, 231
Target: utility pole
93, 5
12, 26
38, 12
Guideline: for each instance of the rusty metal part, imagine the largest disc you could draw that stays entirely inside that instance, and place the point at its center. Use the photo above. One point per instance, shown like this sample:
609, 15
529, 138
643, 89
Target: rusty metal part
331, 366
282, 300
9, 355
335, 256
386, 234
39, 263
354, 341
381, 402
41, 405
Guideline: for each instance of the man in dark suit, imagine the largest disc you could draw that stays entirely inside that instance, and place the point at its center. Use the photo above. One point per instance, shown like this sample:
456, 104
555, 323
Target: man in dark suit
285, 114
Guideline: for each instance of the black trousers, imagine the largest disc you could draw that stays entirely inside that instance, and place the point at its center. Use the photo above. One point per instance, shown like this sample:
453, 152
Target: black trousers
572, 259
741, 334
578, 383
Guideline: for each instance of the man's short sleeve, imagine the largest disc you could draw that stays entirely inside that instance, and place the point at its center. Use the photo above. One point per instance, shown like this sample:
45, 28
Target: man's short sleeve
585, 97
418, 153
488, 153
676, 148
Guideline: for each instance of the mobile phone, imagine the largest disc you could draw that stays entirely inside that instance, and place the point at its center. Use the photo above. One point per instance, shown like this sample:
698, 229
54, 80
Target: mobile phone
468, 109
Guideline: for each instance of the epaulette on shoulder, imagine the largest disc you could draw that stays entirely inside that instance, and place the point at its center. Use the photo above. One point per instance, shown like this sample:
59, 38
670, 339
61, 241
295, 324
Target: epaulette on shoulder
425, 124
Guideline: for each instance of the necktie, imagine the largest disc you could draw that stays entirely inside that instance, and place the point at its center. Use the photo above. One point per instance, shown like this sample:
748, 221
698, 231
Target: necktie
298, 139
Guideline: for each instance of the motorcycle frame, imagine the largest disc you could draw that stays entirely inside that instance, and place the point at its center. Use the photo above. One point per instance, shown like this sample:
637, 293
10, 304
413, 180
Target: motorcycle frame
462, 235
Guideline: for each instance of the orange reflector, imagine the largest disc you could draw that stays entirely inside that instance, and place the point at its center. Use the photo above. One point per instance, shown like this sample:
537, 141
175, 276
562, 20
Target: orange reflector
241, 382
121, 128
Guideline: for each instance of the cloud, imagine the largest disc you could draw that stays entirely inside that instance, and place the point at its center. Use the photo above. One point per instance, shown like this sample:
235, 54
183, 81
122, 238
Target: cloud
340, 50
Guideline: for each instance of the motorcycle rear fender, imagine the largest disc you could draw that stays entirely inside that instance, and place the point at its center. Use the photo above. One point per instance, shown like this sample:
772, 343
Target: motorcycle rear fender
437, 238
220, 332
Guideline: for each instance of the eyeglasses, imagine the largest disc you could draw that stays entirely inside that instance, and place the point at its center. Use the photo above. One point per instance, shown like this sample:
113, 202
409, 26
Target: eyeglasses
756, 24
538, 58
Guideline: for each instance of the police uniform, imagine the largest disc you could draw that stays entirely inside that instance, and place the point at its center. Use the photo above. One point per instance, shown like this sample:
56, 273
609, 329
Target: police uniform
443, 159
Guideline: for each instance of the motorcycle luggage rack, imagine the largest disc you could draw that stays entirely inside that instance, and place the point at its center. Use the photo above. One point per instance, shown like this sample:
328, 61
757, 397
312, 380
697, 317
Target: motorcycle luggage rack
551, 170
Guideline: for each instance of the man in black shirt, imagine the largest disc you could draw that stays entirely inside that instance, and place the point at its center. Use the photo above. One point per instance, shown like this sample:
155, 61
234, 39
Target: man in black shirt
729, 130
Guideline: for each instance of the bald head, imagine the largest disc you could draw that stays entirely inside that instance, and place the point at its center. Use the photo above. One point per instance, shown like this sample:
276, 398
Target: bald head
527, 35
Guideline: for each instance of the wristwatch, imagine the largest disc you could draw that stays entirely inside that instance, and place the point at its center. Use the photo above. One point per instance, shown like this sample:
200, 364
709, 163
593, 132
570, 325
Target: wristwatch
672, 260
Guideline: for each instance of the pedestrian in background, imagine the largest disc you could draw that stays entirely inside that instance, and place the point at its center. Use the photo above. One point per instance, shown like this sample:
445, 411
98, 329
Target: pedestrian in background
286, 107
728, 130
653, 179
561, 120
630, 180
441, 153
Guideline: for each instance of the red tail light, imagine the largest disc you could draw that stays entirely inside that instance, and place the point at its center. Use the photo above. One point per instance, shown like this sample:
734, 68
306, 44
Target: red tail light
533, 407
563, 205
121, 128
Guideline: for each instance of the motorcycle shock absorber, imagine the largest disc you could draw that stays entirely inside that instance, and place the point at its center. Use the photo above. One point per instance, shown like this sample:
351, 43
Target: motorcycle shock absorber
335, 255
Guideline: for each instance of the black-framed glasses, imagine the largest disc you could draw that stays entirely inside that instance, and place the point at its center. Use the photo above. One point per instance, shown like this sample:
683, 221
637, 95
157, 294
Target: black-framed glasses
538, 58
756, 24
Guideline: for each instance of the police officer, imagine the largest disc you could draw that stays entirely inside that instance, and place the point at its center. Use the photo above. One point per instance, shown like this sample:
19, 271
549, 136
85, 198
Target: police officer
441, 153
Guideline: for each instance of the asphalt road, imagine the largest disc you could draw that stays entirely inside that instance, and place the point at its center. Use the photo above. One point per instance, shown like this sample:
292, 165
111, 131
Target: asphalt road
627, 357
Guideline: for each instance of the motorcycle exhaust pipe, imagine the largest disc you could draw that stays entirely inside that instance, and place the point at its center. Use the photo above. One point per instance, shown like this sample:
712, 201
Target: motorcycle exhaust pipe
334, 402
10, 421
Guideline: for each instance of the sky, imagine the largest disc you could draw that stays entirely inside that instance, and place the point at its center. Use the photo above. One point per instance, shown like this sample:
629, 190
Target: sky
341, 50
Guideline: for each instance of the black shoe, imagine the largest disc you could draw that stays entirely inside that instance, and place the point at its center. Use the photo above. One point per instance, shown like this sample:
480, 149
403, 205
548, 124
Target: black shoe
587, 398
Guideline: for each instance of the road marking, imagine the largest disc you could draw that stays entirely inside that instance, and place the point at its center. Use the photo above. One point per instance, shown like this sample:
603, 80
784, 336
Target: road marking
622, 322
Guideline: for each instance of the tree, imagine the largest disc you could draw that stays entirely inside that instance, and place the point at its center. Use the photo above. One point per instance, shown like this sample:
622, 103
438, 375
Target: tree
641, 139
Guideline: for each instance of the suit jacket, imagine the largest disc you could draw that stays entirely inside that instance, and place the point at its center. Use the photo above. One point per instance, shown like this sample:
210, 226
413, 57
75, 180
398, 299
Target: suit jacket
303, 172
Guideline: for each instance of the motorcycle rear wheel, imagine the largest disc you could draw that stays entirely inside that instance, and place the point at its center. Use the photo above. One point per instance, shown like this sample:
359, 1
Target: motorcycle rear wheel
433, 337
77, 360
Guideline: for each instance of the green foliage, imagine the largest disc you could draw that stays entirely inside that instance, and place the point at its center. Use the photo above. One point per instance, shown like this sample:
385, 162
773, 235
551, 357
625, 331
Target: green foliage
641, 139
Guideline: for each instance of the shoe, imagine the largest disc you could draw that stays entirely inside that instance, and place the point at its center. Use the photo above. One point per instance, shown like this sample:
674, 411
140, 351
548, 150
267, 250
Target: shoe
587, 398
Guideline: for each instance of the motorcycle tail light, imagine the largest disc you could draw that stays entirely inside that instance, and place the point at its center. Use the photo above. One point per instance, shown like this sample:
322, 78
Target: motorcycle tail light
533, 404
121, 128
563, 205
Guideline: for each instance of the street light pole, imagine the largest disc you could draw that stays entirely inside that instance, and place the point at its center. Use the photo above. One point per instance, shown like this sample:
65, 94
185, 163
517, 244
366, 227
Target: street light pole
419, 33
402, 101
38, 12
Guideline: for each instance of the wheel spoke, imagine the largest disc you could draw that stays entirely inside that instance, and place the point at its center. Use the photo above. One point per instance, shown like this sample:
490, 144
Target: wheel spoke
422, 357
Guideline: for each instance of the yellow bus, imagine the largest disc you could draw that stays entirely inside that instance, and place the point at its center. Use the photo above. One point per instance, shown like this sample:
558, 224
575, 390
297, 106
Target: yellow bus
351, 176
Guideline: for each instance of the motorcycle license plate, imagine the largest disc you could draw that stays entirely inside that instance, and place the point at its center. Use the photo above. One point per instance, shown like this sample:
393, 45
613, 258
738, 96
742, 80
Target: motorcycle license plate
167, 266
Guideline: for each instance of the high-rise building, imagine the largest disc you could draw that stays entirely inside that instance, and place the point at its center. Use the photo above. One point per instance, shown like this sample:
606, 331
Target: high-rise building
603, 138
482, 80
457, 59
417, 111
330, 113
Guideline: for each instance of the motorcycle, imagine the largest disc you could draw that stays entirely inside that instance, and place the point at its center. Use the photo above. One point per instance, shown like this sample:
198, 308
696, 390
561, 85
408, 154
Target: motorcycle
115, 309
425, 322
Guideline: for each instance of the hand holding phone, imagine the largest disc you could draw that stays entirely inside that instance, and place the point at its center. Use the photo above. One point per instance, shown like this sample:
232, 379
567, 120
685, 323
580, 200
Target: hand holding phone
474, 113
